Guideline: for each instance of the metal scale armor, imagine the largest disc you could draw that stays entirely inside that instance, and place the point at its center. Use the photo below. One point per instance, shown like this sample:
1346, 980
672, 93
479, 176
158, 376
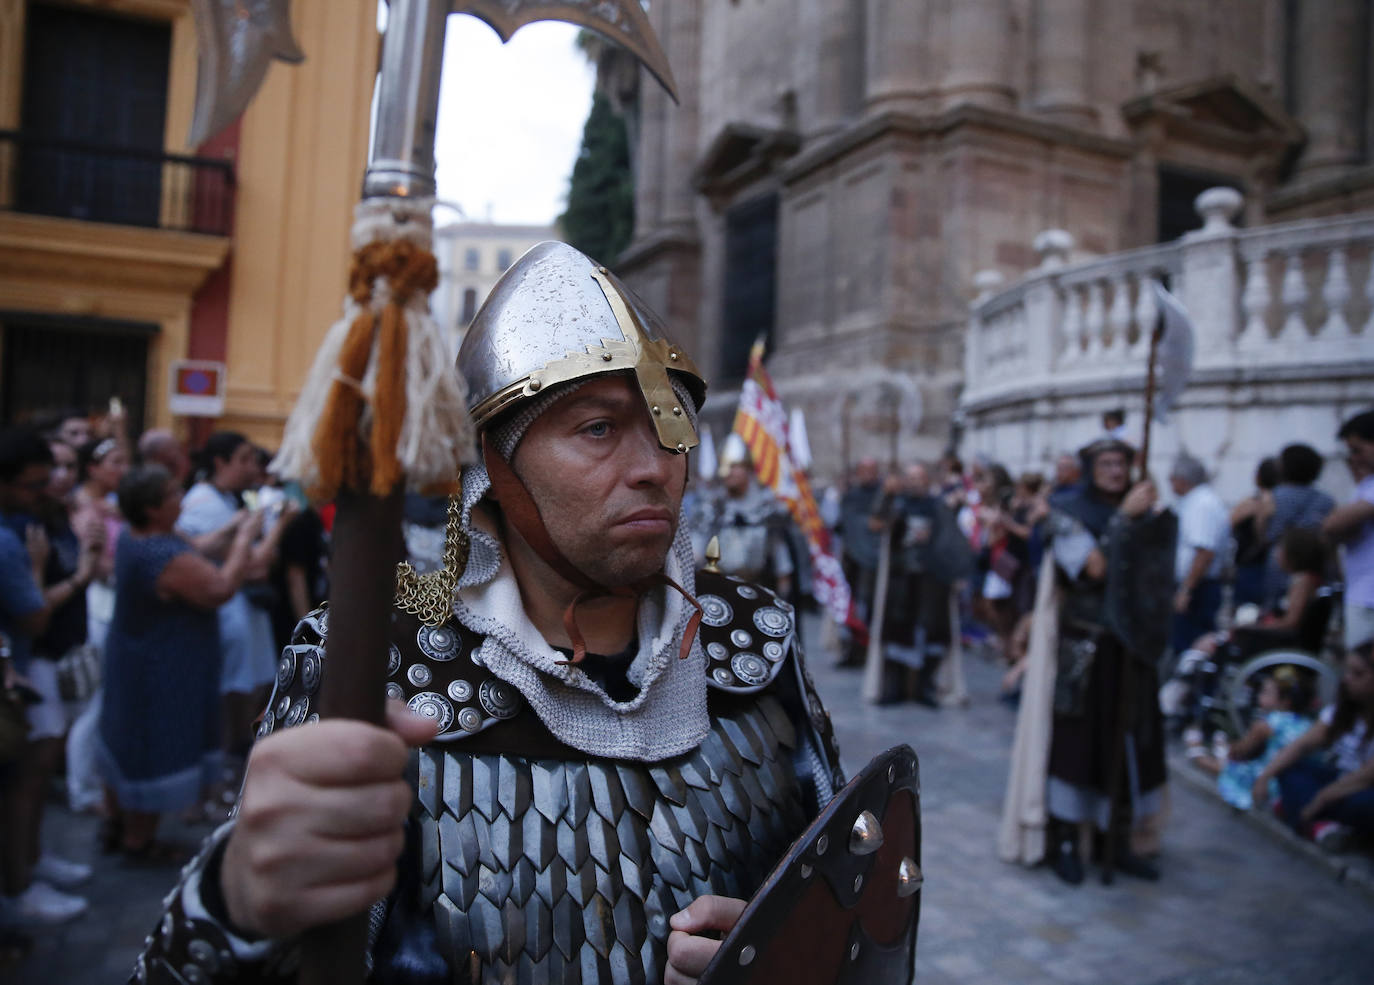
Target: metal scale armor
539, 864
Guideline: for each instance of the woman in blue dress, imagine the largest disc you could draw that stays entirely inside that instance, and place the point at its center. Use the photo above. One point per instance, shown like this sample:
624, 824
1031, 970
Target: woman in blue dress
159, 727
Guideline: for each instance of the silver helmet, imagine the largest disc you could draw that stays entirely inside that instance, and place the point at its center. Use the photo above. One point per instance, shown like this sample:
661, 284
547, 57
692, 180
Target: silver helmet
555, 316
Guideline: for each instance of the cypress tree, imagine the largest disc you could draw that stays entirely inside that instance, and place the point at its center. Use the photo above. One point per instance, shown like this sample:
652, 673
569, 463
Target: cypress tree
600, 217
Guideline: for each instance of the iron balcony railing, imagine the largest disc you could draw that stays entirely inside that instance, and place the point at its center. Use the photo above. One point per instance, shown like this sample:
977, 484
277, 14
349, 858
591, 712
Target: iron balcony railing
128, 186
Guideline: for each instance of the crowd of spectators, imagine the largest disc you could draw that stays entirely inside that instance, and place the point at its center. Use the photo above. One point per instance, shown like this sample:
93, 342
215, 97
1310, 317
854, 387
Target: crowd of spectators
143, 603
1268, 574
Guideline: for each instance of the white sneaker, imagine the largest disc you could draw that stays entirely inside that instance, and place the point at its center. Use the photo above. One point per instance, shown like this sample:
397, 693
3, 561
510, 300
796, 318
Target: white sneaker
60, 872
41, 904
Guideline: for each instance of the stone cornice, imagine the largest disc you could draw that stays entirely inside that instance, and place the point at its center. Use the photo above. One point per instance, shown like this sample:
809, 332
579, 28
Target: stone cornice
1304, 193
1202, 379
102, 254
668, 239
971, 118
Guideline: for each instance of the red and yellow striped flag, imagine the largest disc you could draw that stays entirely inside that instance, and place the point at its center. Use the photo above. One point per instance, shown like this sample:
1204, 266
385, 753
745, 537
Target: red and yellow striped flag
762, 423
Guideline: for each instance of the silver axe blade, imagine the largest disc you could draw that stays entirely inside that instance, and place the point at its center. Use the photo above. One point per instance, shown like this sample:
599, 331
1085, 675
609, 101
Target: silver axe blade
238, 39
622, 21
1174, 360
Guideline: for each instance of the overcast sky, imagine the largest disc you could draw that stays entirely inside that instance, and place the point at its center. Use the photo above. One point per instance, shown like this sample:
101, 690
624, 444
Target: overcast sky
510, 120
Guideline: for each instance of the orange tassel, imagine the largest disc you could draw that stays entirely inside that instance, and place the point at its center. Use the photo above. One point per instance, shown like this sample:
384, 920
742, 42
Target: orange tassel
336, 435
338, 448
389, 400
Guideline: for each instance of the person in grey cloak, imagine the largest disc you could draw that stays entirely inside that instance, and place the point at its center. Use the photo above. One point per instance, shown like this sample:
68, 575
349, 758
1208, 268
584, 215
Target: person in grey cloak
1089, 746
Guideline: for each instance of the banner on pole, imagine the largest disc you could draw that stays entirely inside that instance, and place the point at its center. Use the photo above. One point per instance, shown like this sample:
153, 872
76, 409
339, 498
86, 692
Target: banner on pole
762, 423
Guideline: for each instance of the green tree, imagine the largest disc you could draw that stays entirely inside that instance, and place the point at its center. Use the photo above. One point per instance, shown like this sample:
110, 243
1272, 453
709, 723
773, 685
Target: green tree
600, 217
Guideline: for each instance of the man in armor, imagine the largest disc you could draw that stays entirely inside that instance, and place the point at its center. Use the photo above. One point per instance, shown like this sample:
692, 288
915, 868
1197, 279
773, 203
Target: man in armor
751, 524
594, 785
1101, 622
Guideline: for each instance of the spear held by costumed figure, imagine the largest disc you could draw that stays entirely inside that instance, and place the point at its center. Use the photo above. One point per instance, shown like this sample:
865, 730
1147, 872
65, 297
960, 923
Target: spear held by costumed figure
382, 409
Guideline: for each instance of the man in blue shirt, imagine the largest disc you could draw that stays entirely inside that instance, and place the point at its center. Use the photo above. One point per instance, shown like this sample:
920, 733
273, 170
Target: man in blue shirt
25, 467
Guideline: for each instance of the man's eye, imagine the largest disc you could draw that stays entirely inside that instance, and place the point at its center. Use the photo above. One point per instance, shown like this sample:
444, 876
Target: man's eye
598, 429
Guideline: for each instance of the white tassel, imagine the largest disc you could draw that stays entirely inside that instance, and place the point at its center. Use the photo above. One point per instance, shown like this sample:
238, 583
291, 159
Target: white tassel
437, 437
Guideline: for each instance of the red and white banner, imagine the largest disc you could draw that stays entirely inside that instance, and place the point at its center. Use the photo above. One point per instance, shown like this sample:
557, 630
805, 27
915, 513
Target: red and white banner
762, 423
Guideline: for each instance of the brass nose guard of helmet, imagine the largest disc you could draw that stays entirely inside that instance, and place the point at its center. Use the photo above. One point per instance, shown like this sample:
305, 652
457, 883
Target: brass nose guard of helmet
652, 360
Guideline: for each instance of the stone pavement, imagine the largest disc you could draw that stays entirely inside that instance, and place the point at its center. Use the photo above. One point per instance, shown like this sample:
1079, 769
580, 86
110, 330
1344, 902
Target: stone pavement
1234, 906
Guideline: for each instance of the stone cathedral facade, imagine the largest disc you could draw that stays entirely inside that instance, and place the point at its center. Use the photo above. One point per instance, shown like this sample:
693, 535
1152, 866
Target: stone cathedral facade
839, 172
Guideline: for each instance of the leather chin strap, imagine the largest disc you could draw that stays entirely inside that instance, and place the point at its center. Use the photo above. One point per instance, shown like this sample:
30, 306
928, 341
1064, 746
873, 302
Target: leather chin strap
521, 513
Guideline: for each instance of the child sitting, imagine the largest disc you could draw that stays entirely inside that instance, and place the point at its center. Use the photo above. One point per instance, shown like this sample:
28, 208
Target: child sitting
1283, 700
1331, 797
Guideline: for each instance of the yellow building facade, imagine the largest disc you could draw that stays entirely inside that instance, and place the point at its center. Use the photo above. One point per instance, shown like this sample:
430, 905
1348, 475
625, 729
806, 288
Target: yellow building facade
95, 266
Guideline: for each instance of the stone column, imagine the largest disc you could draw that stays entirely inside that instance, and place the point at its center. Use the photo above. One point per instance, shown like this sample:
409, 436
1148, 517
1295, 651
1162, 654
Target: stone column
895, 48
652, 139
1330, 40
835, 89
680, 126
1061, 60
979, 54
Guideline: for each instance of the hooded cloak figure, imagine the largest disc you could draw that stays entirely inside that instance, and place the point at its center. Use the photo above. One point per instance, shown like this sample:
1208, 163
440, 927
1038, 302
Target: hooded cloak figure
1089, 746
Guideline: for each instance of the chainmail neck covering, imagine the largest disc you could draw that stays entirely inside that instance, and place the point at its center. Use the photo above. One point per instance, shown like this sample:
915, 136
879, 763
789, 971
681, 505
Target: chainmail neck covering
666, 718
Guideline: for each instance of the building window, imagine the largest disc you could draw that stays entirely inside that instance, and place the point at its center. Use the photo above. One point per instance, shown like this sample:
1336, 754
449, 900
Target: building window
503, 260
472, 259
750, 296
469, 306
93, 116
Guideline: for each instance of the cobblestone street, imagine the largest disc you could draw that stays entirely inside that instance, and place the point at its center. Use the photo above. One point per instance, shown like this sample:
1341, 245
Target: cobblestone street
1234, 905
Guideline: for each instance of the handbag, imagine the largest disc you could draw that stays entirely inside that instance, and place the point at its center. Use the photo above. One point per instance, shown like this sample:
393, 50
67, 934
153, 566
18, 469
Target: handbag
78, 672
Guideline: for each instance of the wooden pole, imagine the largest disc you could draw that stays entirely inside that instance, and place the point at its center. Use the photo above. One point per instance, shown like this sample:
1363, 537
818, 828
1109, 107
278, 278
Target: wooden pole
367, 545
1155, 338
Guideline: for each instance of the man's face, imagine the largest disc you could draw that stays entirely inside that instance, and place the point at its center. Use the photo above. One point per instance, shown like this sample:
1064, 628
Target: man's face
75, 431
1360, 457
1179, 485
24, 492
171, 456
238, 471
916, 480
608, 493
866, 472
1111, 472
737, 479
1066, 471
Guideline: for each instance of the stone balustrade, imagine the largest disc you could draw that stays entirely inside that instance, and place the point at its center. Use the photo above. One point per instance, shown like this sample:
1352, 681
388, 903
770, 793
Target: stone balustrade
1283, 315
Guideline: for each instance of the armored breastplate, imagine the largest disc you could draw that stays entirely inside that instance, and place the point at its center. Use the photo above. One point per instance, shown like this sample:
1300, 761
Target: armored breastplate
542, 864
553, 870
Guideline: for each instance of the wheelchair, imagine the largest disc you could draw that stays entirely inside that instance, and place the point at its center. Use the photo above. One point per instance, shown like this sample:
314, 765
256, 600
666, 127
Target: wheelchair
1229, 682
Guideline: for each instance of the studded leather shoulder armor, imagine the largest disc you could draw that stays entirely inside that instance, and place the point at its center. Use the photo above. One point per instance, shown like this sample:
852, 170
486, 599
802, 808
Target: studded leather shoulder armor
538, 863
